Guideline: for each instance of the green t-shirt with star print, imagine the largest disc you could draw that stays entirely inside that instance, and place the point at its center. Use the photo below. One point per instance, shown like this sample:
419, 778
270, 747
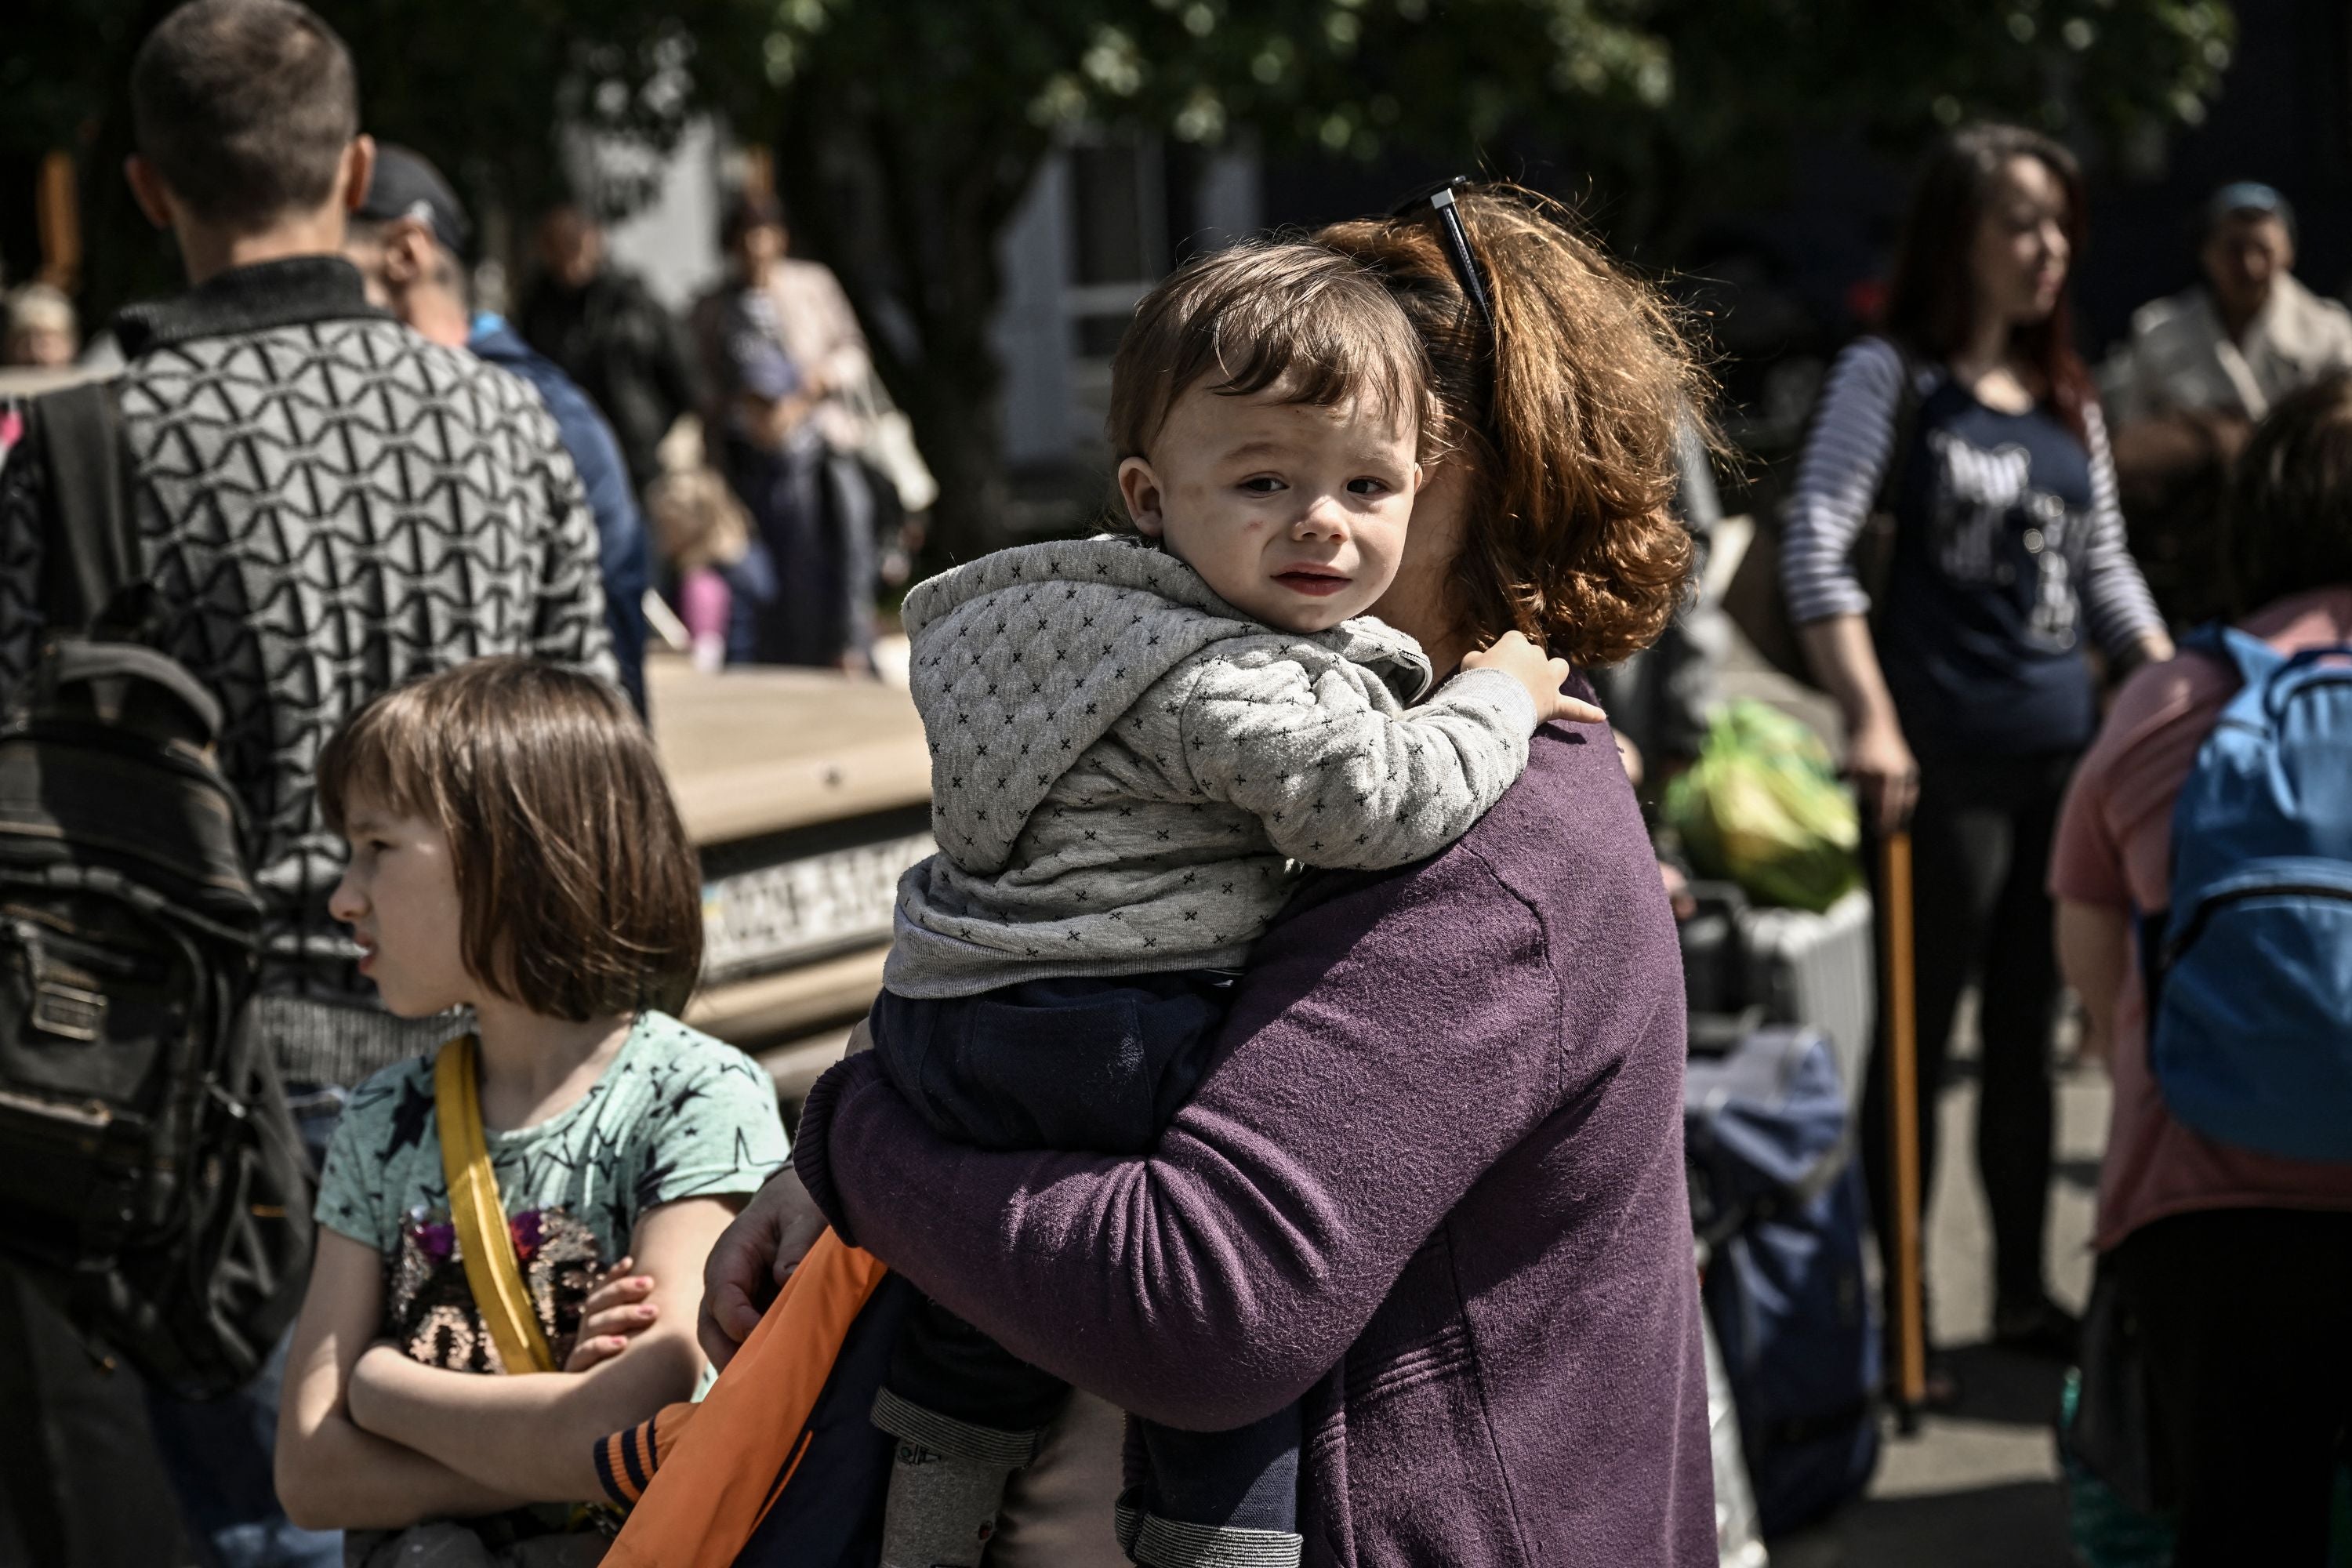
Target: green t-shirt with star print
676, 1115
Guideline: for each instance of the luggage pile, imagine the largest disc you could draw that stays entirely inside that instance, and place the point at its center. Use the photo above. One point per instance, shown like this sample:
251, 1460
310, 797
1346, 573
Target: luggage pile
1777, 1200
1781, 1002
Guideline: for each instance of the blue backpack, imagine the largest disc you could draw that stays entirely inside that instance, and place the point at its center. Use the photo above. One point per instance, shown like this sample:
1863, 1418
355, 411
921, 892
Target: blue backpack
2250, 978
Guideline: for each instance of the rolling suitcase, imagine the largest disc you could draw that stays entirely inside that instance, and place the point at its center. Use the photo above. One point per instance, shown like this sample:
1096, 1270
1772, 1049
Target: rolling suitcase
1816, 971
1820, 971
1777, 1199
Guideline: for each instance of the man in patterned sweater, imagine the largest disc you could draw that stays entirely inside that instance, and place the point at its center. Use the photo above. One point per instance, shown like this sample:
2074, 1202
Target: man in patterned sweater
328, 505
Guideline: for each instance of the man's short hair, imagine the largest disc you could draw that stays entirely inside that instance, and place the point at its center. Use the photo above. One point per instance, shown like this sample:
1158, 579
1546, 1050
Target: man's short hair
244, 107
1315, 326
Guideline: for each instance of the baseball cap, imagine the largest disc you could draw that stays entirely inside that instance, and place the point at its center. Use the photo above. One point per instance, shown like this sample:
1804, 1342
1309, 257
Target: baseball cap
2247, 197
406, 187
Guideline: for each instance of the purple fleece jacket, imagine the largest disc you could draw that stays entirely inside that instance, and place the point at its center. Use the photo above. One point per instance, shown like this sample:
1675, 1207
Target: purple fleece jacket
1432, 1182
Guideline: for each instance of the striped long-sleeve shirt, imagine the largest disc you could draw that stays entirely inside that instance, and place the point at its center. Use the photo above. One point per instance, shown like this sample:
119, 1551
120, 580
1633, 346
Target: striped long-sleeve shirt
2009, 538
1837, 485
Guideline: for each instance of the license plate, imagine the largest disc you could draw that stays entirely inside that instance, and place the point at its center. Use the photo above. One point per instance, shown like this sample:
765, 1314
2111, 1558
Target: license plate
771, 916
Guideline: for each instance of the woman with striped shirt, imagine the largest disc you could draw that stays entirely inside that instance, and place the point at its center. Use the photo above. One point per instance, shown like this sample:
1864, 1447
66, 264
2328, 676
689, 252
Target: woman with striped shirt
1966, 693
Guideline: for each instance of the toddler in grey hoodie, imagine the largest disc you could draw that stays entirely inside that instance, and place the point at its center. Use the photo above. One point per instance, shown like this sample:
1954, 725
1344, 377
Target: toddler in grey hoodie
1136, 743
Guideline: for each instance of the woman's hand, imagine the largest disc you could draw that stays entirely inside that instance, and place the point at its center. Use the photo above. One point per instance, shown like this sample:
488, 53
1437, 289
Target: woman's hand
1542, 675
616, 1312
770, 421
1878, 759
1678, 893
752, 1260
1885, 775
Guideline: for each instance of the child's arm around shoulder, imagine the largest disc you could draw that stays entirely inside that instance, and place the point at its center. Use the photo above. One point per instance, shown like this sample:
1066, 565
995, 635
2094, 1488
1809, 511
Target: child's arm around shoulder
1538, 673
1340, 780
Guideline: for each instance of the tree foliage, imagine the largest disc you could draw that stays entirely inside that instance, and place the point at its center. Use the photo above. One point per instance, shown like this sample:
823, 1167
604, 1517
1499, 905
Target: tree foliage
908, 131
482, 87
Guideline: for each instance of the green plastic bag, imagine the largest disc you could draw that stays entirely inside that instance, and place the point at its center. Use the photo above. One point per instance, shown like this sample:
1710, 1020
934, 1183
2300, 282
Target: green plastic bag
1763, 808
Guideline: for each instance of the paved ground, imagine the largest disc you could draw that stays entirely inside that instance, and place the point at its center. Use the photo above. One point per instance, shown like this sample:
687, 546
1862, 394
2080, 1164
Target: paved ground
1977, 1487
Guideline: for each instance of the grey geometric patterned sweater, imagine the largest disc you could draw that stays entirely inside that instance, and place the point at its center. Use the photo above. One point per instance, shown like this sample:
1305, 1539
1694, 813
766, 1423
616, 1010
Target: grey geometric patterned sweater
329, 505
1124, 766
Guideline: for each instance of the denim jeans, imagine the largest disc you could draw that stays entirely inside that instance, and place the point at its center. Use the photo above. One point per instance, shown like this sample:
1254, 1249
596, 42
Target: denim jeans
1073, 1063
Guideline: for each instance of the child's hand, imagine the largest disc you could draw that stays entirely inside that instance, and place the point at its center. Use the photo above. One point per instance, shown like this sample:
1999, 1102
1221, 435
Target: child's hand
616, 1312
1543, 677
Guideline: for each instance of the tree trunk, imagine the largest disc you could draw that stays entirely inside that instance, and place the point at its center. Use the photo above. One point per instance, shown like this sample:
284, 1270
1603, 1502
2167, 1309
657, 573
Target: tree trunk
910, 221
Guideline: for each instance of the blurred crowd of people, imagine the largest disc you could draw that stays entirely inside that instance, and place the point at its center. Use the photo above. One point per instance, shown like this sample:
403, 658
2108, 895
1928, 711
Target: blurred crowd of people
741, 460
1954, 547
766, 385
755, 482
1993, 559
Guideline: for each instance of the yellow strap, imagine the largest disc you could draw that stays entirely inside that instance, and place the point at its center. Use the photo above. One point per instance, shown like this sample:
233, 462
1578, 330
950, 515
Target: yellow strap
492, 1272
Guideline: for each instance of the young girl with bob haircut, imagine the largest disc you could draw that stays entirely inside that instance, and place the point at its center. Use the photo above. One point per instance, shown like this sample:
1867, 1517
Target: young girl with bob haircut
1966, 693
514, 850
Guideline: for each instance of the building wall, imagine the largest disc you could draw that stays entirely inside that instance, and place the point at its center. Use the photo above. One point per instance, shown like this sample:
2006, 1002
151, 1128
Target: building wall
1103, 221
673, 241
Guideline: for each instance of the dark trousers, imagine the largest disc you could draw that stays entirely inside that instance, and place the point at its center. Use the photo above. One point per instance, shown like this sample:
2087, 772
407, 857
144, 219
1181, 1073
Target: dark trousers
1082, 1065
805, 592
221, 1454
2245, 1331
1979, 852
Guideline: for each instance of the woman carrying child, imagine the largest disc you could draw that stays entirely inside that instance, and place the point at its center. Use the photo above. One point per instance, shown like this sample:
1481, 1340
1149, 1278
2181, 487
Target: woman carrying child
513, 850
1429, 1183
1130, 737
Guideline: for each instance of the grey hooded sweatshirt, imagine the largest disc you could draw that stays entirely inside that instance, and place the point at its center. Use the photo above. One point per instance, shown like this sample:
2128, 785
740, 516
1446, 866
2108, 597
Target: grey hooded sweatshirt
1124, 766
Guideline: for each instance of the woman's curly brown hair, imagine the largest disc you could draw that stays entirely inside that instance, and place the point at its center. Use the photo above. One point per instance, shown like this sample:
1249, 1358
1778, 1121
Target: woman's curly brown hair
1567, 434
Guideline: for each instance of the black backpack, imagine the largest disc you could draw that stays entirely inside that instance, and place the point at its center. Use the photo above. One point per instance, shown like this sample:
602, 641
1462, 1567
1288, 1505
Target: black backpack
153, 1185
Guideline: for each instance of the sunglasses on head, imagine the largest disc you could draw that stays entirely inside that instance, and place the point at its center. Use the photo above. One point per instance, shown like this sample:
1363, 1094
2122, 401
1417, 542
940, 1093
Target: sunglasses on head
1439, 199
